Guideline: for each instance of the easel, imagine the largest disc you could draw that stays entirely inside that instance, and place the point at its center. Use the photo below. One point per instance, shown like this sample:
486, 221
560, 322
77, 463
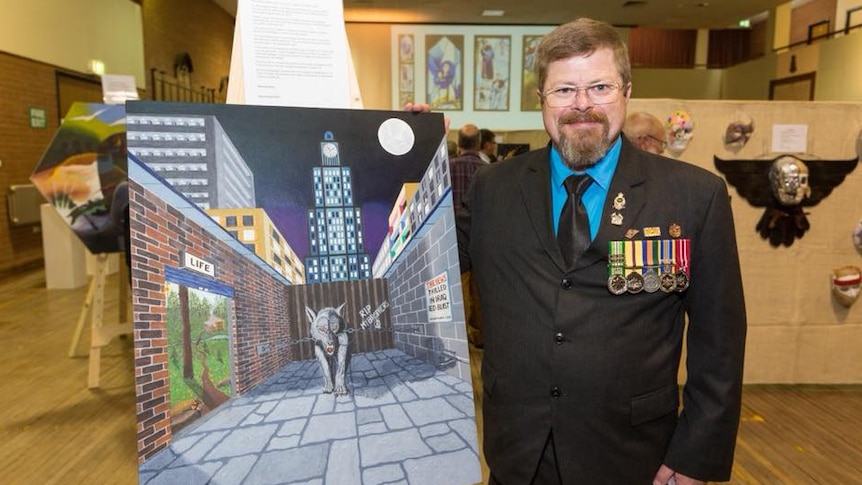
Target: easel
94, 304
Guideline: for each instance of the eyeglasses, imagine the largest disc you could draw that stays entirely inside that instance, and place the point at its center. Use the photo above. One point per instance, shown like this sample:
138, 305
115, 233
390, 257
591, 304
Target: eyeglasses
661, 142
599, 93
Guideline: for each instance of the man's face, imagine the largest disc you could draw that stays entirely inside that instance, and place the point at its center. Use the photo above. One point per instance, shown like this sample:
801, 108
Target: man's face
584, 130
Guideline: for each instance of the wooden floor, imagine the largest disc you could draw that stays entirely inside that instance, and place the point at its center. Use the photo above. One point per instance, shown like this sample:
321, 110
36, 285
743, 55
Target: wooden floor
53, 430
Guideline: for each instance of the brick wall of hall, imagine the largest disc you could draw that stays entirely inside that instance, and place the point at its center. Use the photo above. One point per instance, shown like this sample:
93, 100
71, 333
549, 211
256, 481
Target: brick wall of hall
261, 323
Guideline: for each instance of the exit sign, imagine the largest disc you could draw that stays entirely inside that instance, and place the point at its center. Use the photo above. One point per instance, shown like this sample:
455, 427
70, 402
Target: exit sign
38, 118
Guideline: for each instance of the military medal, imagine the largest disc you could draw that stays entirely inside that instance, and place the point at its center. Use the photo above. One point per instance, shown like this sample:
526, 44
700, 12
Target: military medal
682, 248
674, 230
617, 219
651, 280
668, 279
634, 282
634, 262
616, 264
631, 233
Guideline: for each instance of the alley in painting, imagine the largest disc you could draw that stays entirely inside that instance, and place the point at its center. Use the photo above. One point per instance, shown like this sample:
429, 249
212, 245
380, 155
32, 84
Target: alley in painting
403, 422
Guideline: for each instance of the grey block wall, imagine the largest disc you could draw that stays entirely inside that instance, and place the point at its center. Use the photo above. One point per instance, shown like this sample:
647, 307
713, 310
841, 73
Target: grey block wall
433, 252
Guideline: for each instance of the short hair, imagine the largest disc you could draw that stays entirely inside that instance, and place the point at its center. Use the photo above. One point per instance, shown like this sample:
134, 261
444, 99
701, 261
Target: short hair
469, 138
487, 135
582, 37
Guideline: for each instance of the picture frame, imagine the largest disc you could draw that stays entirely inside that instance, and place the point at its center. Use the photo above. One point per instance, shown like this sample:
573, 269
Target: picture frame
491, 79
818, 30
529, 81
444, 56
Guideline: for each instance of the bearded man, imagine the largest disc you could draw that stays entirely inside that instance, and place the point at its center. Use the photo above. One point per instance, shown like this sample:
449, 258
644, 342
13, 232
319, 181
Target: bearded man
588, 255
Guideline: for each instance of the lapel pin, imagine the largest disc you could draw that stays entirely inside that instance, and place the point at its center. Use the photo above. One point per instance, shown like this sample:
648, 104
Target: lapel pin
674, 230
617, 219
620, 202
652, 232
631, 233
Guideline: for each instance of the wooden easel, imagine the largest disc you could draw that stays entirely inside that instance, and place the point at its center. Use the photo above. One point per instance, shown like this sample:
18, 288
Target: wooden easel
94, 304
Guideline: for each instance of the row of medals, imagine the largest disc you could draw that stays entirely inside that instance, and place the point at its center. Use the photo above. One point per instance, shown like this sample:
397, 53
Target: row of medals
663, 277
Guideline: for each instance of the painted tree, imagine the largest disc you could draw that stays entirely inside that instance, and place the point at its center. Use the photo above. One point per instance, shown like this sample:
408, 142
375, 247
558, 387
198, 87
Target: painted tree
188, 368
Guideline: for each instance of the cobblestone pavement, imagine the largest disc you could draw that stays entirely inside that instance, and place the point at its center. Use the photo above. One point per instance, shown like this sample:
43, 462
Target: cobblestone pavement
404, 422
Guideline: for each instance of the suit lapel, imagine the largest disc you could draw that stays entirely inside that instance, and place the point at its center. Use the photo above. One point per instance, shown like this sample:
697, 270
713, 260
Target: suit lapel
628, 181
536, 194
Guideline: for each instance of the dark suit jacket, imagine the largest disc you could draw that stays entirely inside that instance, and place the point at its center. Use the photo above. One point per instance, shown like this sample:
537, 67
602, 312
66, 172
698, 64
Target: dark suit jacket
563, 354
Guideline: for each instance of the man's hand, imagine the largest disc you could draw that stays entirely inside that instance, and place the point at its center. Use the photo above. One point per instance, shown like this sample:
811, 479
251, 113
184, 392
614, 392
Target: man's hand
666, 476
425, 108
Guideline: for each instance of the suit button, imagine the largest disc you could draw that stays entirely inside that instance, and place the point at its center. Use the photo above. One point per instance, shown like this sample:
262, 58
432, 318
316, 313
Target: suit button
555, 392
558, 338
566, 283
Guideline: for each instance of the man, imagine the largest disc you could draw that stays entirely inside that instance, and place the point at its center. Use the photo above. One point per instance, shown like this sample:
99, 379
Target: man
581, 357
488, 148
646, 132
461, 170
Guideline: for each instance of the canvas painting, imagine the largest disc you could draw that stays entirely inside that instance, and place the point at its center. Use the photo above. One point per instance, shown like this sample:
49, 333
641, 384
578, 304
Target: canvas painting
298, 312
445, 71
491, 73
82, 174
529, 83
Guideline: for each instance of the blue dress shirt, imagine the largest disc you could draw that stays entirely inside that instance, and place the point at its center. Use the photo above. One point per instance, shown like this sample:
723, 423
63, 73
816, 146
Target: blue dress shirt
594, 198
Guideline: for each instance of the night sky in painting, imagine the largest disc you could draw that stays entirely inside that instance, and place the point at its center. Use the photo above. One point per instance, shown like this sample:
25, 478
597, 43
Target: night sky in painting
282, 145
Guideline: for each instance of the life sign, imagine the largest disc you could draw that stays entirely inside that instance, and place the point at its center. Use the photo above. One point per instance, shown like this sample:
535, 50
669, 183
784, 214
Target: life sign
198, 264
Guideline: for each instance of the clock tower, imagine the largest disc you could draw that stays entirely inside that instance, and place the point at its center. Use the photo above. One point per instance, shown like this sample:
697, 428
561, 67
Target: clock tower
334, 223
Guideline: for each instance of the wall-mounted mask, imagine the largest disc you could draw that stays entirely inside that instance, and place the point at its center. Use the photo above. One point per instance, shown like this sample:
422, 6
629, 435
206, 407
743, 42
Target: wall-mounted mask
789, 180
737, 135
845, 284
679, 128
857, 236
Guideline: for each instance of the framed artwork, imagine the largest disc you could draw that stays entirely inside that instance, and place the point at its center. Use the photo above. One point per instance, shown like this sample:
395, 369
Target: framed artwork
405, 49
491, 73
444, 86
818, 30
529, 84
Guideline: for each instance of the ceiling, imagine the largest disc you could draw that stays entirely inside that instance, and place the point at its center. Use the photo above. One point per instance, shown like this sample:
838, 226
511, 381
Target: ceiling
669, 14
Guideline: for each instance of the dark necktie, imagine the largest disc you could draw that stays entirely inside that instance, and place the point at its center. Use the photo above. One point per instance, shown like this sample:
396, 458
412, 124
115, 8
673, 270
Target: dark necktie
573, 233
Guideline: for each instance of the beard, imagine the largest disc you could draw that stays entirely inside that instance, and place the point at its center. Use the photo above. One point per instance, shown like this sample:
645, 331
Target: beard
582, 150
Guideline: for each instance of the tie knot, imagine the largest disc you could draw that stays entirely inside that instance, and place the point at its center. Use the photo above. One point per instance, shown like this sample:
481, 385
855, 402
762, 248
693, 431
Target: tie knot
577, 184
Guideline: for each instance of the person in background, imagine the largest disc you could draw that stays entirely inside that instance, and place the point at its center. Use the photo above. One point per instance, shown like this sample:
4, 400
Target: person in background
488, 148
452, 148
588, 255
646, 132
461, 170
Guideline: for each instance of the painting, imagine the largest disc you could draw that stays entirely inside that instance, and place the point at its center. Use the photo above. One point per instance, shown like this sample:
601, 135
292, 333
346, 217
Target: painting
491, 73
529, 83
444, 86
298, 311
199, 352
82, 174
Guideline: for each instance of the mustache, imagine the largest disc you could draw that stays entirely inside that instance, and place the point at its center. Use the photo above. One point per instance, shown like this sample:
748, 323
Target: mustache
591, 116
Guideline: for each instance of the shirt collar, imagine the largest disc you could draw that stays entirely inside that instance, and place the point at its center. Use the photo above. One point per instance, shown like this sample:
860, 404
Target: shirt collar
602, 172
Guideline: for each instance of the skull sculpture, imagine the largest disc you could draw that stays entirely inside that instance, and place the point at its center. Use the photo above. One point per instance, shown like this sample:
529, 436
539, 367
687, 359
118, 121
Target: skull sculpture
789, 179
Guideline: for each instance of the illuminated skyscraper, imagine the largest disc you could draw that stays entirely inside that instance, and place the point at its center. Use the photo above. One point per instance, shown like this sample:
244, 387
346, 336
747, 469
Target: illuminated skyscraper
337, 248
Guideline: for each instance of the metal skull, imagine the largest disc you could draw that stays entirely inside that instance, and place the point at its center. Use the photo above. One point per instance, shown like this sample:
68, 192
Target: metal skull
789, 179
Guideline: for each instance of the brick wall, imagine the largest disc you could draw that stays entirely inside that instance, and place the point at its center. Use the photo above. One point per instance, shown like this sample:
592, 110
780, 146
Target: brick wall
261, 323
23, 84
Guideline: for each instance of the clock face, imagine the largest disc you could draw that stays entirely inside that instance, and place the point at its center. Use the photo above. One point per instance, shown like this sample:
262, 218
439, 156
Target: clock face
330, 150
